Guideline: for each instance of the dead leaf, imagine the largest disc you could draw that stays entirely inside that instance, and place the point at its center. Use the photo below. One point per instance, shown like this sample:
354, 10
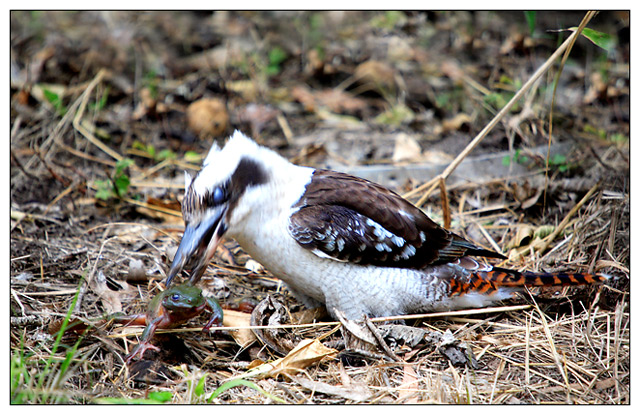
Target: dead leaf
340, 102
460, 122
355, 334
254, 266
451, 69
458, 353
522, 237
602, 90
407, 388
335, 100
401, 334
378, 76
271, 312
525, 194
314, 64
515, 42
436, 157
111, 299
233, 318
304, 96
147, 106
245, 88
406, 149
358, 393
305, 354
528, 237
309, 315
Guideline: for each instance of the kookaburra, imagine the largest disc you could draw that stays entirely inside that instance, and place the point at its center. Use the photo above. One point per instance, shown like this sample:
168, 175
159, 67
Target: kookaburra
337, 240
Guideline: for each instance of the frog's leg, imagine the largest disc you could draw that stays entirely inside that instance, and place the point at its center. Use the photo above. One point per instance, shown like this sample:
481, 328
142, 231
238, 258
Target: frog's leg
216, 314
145, 342
133, 320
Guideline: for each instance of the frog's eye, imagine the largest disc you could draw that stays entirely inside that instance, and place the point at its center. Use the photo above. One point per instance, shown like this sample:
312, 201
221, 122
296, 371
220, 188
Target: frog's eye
175, 297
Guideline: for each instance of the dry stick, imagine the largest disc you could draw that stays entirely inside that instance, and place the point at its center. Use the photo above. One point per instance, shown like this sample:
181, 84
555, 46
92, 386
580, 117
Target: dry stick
616, 341
337, 323
454, 164
527, 375
583, 23
77, 120
160, 209
56, 134
87, 282
565, 221
554, 351
446, 213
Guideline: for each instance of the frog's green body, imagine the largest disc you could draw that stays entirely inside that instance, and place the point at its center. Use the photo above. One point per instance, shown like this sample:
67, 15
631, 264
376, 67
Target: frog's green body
169, 309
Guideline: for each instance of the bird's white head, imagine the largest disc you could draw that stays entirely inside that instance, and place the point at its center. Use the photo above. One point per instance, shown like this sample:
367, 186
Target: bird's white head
229, 176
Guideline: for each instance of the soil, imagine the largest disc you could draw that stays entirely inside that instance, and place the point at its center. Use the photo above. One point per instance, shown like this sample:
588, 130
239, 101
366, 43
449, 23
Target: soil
108, 109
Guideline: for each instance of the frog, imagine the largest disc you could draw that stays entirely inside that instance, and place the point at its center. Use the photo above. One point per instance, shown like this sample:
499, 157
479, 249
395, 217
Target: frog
169, 309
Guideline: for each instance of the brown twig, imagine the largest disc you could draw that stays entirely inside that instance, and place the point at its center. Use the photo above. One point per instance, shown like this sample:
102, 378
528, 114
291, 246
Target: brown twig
573, 39
560, 228
482, 134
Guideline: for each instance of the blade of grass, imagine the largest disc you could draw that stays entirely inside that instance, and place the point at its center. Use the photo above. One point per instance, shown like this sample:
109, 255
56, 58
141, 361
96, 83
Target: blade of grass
573, 38
241, 382
49, 363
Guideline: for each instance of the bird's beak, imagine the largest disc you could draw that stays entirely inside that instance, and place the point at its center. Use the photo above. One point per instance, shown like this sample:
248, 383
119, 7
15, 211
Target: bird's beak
198, 245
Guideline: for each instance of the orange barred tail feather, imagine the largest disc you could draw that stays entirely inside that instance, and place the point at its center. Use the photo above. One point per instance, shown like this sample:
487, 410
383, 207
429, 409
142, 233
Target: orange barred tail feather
488, 282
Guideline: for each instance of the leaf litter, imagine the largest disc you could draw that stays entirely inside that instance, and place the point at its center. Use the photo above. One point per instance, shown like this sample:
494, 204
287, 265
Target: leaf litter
359, 90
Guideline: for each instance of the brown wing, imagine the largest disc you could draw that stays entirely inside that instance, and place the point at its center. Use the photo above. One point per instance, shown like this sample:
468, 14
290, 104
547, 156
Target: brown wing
352, 219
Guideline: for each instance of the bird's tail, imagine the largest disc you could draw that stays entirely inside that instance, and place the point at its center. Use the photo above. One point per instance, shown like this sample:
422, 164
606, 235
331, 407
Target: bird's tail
490, 282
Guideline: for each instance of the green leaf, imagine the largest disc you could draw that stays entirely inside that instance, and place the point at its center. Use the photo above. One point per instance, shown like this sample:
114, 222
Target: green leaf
504, 79
160, 396
105, 191
530, 16
51, 96
618, 138
122, 183
277, 55
139, 145
55, 100
102, 102
122, 164
192, 157
603, 40
165, 154
199, 389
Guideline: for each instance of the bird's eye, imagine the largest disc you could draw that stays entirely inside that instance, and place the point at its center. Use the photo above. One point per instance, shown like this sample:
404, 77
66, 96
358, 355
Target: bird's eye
218, 195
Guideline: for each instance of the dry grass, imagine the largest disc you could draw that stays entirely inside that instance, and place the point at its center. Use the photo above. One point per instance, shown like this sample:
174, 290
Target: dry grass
73, 255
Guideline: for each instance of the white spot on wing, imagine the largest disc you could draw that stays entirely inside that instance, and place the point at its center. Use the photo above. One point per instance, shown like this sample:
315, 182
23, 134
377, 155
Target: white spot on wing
398, 241
408, 252
406, 215
382, 247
